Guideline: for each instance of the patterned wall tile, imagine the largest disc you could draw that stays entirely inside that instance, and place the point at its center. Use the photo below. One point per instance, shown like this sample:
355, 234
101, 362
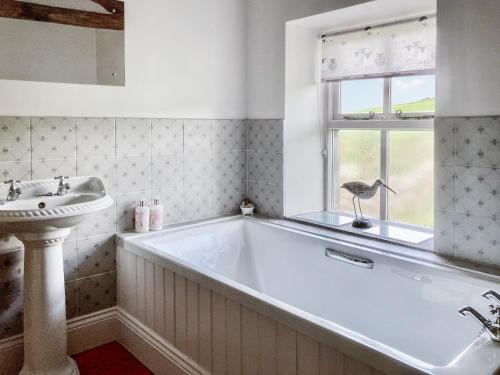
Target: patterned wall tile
15, 139
125, 209
241, 165
173, 204
11, 315
167, 137
224, 166
133, 175
197, 136
227, 197
71, 299
477, 191
167, 172
104, 168
198, 169
444, 135
53, 138
133, 137
478, 142
268, 198
96, 293
228, 135
70, 260
95, 138
96, 255
16, 170
11, 272
100, 223
444, 233
265, 135
197, 202
42, 169
444, 188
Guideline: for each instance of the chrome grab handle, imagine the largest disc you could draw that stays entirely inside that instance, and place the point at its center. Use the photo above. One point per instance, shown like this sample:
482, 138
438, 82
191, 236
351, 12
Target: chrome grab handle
491, 294
351, 259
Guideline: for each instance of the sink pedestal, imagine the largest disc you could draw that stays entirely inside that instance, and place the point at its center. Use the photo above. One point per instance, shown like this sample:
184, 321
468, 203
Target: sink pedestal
45, 335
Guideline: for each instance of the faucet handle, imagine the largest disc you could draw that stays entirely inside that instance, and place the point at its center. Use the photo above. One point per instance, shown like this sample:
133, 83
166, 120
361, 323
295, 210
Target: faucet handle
12, 182
61, 178
491, 294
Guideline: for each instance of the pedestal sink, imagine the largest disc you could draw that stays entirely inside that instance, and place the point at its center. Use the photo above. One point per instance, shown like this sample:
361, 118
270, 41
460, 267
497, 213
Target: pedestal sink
42, 222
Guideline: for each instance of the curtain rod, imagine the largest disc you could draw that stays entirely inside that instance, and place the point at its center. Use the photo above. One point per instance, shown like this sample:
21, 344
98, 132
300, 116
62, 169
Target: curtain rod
367, 28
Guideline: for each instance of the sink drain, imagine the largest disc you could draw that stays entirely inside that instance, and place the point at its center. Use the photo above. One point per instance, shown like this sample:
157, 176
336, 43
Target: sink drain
41, 205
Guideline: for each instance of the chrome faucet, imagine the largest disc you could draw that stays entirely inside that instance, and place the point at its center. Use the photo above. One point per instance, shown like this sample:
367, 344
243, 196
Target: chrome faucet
63, 187
493, 328
14, 192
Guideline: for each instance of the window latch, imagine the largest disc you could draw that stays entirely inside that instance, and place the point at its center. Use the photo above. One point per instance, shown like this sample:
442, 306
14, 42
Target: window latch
370, 116
400, 115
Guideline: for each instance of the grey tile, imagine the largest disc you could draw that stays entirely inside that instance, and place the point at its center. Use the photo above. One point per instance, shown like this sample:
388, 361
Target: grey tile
197, 169
125, 209
444, 135
167, 172
224, 166
478, 141
11, 272
70, 260
228, 135
197, 203
476, 239
53, 138
104, 168
197, 136
96, 255
11, 316
241, 166
133, 175
71, 299
167, 137
444, 233
477, 191
133, 137
445, 188
15, 139
173, 205
265, 167
100, 223
46, 169
96, 293
95, 137
268, 199
15, 170
265, 135
227, 197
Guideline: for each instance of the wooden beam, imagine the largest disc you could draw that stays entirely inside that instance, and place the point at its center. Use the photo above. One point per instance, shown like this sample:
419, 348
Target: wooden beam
112, 6
43, 13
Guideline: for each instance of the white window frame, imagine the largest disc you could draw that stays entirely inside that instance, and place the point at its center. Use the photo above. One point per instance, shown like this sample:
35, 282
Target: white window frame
382, 122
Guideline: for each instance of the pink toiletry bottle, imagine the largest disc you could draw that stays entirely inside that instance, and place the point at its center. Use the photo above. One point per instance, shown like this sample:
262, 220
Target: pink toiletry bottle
156, 215
142, 217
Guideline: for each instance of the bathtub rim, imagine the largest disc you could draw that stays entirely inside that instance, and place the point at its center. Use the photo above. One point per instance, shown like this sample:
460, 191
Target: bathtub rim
374, 354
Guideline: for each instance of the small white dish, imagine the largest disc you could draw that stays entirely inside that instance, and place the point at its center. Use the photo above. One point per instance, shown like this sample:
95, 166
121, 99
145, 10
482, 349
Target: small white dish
247, 210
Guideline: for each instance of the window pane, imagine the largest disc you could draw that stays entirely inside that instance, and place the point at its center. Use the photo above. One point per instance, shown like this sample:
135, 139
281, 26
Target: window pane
414, 94
359, 158
362, 96
411, 175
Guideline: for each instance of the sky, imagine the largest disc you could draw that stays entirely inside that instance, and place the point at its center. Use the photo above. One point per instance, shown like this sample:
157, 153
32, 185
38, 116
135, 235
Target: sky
360, 94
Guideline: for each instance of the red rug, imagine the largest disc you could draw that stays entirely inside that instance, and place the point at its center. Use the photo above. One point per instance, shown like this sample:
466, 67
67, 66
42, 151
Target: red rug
109, 359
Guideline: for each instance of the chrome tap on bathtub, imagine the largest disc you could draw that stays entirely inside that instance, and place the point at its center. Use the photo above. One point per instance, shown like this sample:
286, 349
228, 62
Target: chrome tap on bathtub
493, 328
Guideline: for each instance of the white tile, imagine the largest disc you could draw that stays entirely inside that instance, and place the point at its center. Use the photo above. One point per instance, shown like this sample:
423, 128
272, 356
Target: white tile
45, 169
197, 136
444, 136
445, 188
265, 135
224, 166
197, 169
167, 172
228, 135
477, 191
167, 136
173, 204
133, 137
16, 170
197, 202
95, 137
227, 197
103, 168
133, 175
53, 138
444, 233
96, 255
15, 139
478, 142
100, 223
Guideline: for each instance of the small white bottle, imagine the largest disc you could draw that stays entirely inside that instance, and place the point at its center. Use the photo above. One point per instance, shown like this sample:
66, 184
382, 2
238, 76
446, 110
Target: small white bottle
156, 215
142, 217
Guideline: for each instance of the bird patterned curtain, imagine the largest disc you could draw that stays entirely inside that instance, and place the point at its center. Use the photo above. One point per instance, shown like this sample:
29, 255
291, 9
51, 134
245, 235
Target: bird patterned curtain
397, 48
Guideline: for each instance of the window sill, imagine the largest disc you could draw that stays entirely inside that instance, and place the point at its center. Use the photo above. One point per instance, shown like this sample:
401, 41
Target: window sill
394, 233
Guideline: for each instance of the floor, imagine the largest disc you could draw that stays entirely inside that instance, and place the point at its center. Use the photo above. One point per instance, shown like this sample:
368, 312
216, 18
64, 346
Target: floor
109, 359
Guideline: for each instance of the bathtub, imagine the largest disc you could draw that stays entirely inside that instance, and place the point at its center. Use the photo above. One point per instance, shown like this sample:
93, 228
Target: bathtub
394, 314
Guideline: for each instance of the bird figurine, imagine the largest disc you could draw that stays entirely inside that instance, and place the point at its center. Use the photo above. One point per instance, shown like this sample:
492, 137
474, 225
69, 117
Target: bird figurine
361, 190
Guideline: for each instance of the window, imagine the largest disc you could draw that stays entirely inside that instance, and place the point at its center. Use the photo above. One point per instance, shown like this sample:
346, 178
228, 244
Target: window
383, 128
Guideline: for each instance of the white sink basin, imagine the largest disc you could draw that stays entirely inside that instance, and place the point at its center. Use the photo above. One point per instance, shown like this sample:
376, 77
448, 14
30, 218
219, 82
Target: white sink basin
42, 223
32, 214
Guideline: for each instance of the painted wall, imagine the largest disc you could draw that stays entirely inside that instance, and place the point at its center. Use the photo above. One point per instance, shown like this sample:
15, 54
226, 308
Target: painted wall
184, 58
468, 58
265, 68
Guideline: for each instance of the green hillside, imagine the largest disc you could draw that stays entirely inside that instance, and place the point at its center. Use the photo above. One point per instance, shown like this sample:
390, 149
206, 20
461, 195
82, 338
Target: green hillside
423, 105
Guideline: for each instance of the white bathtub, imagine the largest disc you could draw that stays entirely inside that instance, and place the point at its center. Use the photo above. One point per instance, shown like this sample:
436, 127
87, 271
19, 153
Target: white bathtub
404, 309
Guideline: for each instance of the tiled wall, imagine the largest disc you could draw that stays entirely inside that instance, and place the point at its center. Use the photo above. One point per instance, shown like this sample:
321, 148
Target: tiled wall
197, 167
468, 189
